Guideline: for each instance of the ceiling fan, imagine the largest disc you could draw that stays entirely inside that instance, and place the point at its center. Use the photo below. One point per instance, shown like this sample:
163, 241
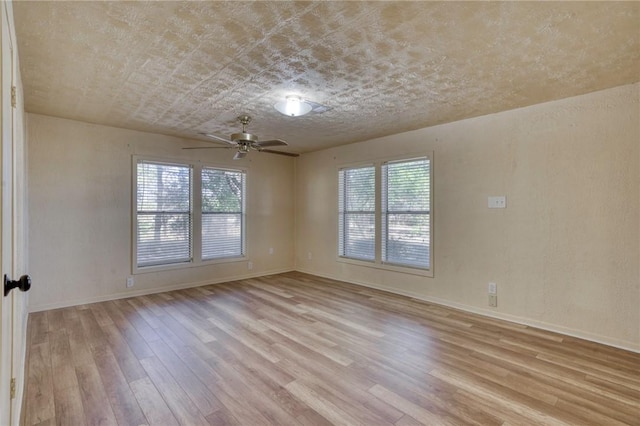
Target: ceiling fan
244, 142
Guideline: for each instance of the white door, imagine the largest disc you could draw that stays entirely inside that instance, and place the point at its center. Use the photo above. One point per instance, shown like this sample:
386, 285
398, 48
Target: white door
12, 250
6, 258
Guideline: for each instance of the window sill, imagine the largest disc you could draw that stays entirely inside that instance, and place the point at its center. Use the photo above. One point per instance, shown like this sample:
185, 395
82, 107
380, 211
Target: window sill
388, 267
187, 265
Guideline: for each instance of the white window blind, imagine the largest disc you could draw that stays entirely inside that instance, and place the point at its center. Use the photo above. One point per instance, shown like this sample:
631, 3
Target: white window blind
406, 216
357, 216
223, 201
163, 219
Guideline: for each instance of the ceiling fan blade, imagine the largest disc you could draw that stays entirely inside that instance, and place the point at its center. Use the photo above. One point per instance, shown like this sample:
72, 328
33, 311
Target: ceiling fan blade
219, 139
207, 147
270, 151
273, 142
239, 155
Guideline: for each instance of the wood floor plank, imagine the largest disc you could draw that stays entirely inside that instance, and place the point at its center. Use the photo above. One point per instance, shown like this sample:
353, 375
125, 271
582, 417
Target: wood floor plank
183, 408
152, 404
194, 357
40, 327
433, 395
242, 384
245, 337
55, 319
127, 361
100, 314
62, 370
345, 389
415, 411
232, 349
123, 403
135, 330
78, 342
322, 406
515, 404
69, 409
95, 403
223, 418
40, 392
295, 349
309, 343
206, 402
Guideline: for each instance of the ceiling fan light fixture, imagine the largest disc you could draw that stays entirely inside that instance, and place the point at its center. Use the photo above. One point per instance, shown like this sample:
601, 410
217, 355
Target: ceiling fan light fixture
293, 106
239, 155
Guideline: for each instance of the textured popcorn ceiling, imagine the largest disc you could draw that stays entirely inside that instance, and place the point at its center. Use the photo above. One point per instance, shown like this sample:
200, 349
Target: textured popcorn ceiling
180, 68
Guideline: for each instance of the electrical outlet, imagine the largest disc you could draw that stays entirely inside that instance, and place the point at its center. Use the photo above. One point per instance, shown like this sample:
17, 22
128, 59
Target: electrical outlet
309, 256
249, 265
497, 202
270, 250
493, 300
493, 288
130, 282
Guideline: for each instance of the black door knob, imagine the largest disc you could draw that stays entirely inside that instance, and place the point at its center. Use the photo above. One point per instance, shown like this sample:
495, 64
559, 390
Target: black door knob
24, 284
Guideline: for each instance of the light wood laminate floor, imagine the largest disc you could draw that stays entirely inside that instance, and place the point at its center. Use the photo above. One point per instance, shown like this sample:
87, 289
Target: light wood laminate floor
294, 349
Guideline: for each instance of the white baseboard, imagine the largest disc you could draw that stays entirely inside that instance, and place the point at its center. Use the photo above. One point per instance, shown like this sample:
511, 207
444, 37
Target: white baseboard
145, 291
581, 334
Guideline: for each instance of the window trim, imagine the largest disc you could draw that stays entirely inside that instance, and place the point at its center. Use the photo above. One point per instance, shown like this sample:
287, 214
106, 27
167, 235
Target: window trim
196, 215
378, 263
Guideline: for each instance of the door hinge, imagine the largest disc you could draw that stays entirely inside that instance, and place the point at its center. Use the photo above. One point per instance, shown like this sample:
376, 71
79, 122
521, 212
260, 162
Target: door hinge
13, 96
12, 389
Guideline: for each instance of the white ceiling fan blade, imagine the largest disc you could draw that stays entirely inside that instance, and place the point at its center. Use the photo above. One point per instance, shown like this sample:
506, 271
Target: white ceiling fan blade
207, 147
218, 138
270, 151
272, 142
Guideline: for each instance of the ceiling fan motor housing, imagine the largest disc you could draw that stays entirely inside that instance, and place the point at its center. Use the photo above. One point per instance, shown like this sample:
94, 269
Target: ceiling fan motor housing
244, 137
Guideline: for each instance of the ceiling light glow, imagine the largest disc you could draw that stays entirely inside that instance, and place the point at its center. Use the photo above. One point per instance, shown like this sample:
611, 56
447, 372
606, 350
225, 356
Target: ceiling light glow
293, 106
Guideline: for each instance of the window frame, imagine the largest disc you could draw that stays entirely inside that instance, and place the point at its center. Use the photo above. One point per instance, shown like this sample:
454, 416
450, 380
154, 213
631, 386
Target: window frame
196, 215
378, 263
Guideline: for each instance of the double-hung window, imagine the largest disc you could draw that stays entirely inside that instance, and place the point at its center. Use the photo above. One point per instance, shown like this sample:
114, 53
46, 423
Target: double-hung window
187, 214
357, 214
164, 219
406, 213
222, 213
384, 215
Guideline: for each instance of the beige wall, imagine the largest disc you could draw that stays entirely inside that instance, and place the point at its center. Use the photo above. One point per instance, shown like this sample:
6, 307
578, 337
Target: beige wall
80, 212
564, 253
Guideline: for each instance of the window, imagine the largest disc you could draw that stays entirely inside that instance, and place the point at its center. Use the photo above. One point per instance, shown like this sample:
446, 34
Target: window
222, 213
187, 214
384, 215
164, 219
357, 213
406, 213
